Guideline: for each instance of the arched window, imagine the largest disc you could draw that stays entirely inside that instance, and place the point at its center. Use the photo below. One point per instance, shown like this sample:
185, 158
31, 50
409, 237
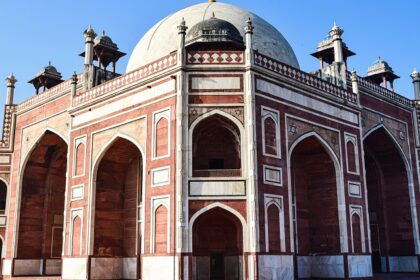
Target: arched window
162, 130
270, 137
76, 242
351, 156
273, 218
216, 148
161, 229
357, 238
80, 158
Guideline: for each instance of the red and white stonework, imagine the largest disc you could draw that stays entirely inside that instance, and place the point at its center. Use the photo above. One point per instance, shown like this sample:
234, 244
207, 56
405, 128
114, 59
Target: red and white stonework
213, 157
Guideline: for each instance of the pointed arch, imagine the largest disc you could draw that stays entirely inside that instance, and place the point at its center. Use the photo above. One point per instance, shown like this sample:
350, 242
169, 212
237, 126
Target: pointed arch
161, 228
276, 222
341, 203
224, 207
50, 171
92, 186
237, 124
394, 141
406, 160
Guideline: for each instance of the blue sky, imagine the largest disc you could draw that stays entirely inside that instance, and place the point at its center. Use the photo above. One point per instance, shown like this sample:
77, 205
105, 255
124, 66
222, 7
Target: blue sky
34, 32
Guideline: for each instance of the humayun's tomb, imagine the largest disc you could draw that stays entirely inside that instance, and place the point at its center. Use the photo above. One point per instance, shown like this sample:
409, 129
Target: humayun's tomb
213, 157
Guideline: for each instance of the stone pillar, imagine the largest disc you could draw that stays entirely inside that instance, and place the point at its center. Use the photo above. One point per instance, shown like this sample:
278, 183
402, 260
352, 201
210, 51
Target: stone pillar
182, 31
249, 30
251, 166
416, 84
11, 81
73, 84
181, 199
354, 84
336, 33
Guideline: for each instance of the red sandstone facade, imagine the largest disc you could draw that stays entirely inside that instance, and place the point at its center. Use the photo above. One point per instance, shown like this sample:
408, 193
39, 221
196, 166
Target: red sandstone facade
210, 163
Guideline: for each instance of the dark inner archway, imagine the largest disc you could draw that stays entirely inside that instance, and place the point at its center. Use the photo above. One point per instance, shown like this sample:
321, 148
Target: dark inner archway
118, 182
315, 189
42, 200
315, 200
388, 198
216, 148
217, 245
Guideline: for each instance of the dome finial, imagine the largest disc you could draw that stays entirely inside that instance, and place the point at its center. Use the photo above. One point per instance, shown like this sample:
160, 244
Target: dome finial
415, 74
212, 1
249, 28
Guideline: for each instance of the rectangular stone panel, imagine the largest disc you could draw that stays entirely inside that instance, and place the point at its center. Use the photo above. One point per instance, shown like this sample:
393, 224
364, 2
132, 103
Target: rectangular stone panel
354, 189
273, 175
77, 192
217, 188
161, 176
216, 83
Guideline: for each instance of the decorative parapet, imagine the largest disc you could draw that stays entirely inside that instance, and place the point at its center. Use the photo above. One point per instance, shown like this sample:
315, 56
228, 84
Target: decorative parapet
6, 139
389, 94
126, 79
52, 92
303, 77
215, 57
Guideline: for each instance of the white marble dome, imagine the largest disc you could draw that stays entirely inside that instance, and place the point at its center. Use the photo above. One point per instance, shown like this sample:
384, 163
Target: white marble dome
162, 38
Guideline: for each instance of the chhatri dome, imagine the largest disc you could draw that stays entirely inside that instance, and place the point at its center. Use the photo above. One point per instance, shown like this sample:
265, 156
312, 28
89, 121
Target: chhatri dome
162, 38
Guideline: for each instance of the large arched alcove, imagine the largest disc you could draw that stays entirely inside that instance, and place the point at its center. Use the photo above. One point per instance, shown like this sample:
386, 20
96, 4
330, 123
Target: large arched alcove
117, 199
390, 217
314, 186
216, 148
42, 200
217, 245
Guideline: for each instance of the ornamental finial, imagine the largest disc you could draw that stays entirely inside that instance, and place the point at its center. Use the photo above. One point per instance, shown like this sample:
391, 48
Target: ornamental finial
212, 1
182, 27
74, 78
353, 75
249, 28
11, 80
89, 32
336, 30
415, 74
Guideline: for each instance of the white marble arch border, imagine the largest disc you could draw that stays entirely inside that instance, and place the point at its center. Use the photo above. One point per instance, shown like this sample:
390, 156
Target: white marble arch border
341, 190
410, 180
74, 213
21, 167
202, 117
224, 207
277, 201
92, 187
156, 202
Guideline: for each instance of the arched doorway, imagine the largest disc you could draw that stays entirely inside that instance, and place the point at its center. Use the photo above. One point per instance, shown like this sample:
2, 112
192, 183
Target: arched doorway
316, 222
117, 204
42, 205
390, 219
217, 246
